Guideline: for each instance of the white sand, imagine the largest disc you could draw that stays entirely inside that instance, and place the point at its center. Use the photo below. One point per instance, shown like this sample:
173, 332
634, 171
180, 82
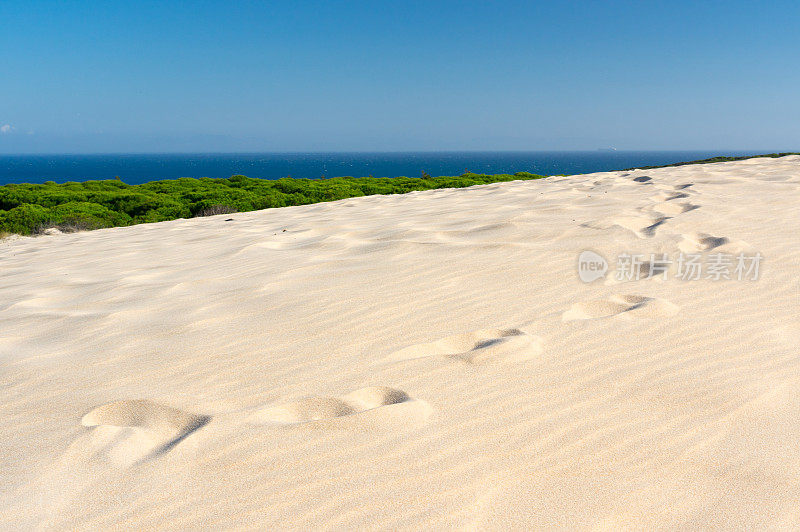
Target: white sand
413, 361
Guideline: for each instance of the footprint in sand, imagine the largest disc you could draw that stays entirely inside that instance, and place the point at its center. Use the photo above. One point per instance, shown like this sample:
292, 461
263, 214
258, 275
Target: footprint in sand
668, 195
324, 408
665, 201
638, 306
641, 226
694, 242
657, 269
479, 347
130, 432
680, 186
643, 222
674, 207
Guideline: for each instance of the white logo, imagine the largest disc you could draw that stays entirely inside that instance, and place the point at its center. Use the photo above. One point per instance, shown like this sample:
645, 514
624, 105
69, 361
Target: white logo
591, 266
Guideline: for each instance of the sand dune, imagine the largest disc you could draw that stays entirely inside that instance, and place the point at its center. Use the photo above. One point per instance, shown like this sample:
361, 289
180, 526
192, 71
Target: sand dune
428, 360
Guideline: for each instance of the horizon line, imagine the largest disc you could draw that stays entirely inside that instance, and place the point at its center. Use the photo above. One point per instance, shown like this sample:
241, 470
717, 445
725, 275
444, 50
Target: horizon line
321, 152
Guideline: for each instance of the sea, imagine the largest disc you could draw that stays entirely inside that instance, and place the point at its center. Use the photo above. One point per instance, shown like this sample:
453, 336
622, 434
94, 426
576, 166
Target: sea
142, 167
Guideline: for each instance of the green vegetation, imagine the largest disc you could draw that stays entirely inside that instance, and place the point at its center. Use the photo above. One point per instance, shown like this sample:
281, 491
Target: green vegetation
716, 160
30, 209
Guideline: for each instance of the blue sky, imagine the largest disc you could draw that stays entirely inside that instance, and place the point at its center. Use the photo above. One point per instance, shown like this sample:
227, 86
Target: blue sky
393, 76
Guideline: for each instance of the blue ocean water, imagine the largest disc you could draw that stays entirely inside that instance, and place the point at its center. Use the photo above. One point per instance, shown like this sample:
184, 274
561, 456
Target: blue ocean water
140, 168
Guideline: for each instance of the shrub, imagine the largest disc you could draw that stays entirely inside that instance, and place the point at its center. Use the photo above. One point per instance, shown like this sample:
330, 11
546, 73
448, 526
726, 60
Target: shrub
88, 215
24, 219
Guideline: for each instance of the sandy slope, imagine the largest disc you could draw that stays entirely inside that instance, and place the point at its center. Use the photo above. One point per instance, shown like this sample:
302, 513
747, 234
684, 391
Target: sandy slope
424, 360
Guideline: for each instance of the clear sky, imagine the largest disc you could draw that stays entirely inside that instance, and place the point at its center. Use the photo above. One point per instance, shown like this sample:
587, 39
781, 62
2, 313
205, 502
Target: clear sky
134, 76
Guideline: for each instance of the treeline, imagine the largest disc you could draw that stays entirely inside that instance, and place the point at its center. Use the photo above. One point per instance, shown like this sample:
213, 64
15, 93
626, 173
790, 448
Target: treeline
32, 208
